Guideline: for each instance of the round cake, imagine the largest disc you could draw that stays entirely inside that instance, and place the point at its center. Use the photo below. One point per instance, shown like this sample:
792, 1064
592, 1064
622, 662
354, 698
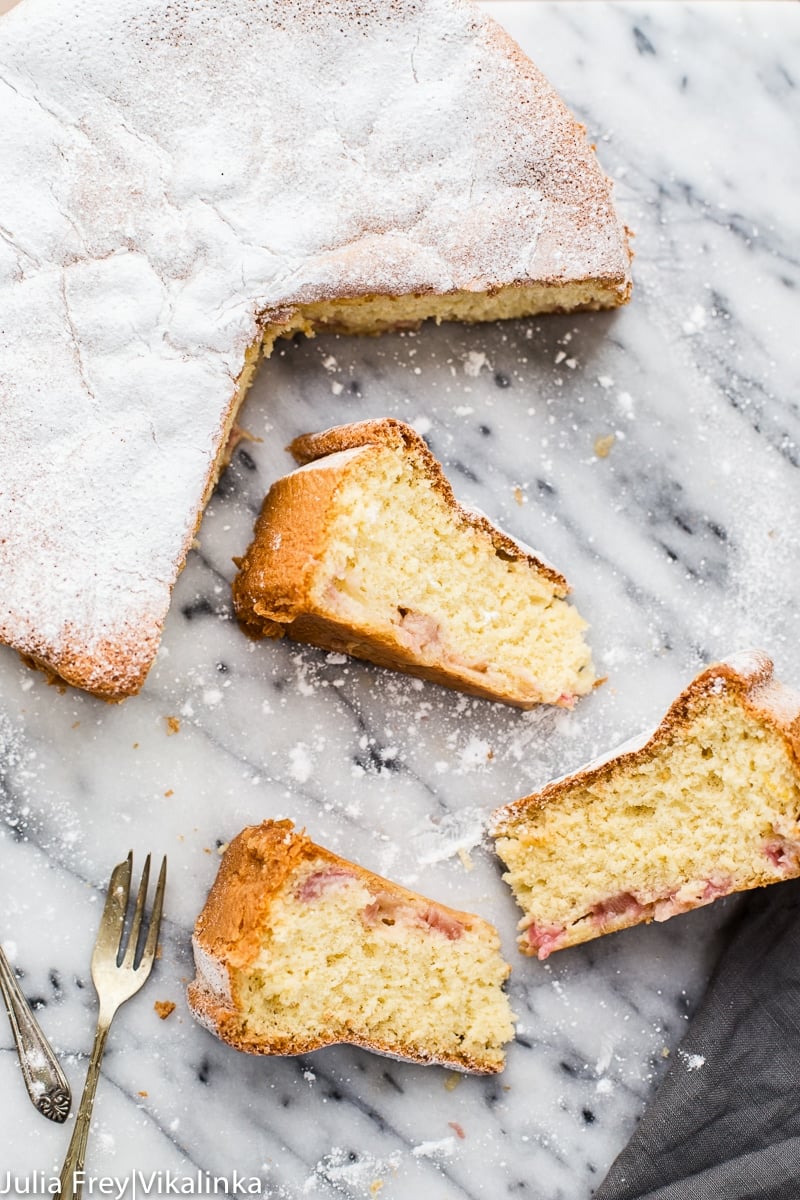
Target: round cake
180, 184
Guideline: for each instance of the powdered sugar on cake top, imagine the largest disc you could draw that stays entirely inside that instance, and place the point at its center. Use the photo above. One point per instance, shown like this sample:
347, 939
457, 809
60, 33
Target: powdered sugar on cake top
174, 175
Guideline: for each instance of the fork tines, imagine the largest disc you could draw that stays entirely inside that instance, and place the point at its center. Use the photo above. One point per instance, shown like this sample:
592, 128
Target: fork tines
111, 940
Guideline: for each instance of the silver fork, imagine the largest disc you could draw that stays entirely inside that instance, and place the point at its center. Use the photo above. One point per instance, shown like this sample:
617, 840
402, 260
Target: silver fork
46, 1082
116, 980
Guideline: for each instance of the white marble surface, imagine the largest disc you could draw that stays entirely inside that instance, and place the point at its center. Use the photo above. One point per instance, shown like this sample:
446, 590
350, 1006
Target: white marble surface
681, 544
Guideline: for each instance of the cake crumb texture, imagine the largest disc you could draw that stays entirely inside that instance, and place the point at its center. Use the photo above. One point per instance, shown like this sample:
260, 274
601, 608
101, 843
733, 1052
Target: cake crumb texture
706, 805
297, 948
365, 550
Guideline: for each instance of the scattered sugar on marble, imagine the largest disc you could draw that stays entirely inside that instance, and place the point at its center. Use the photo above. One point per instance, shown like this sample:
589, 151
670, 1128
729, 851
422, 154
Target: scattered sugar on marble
301, 765
355, 1172
696, 320
444, 1148
451, 835
475, 362
476, 753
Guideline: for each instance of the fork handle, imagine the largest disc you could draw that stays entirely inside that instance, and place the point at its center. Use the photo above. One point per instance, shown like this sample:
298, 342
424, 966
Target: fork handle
46, 1083
71, 1180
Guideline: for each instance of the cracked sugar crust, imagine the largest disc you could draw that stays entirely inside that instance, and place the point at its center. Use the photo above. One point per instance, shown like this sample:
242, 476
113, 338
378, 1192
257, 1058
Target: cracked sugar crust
174, 178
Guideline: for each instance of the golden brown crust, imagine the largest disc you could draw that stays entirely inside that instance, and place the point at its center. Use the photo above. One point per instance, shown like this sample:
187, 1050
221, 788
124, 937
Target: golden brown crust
750, 678
272, 591
387, 431
254, 867
122, 674
274, 577
229, 931
328, 634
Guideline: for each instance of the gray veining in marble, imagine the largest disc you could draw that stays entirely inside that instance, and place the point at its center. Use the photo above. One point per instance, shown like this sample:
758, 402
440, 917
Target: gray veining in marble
681, 544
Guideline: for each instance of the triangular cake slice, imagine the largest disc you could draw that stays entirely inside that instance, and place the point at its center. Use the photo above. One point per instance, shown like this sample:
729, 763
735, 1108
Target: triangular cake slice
707, 804
365, 550
182, 183
297, 948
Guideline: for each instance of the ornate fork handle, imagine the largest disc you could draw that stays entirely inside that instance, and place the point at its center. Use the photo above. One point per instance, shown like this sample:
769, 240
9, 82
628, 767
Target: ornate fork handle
71, 1181
46, 1082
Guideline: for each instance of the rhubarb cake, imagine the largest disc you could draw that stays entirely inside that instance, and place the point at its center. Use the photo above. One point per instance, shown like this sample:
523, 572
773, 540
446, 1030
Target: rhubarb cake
182, 183
706, 805
297, 948
364, 549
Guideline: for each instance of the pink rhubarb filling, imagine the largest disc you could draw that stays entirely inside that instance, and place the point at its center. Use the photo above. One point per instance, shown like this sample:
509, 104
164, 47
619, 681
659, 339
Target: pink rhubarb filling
421, 633
544, 939
385, 909
694, 894
388, 910
784, 855
319, 882
626, 909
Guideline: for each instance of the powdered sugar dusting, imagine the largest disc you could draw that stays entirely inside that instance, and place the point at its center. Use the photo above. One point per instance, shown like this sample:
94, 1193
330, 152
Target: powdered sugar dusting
301, 764
693, 1061
443, 1148
447, 836
353, 1174
475, 362
112, 427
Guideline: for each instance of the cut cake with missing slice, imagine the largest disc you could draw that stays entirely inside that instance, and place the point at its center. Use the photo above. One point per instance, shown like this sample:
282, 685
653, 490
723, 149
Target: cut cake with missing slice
706, 805
297, 948
363, 166
365, 550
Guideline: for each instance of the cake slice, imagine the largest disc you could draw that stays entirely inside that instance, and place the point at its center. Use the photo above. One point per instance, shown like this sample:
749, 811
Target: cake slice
706, 805
365, 550
181, 184
297, 948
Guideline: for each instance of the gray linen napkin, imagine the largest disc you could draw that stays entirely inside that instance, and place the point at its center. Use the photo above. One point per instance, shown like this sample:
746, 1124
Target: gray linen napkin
729, 1127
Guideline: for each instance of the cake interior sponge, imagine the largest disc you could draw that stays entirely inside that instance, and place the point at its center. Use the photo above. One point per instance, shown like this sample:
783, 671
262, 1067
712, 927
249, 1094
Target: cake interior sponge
706, 805
365, 550
297, 948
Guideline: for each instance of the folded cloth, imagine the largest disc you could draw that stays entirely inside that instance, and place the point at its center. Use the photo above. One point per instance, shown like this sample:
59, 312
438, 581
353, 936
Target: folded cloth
725, 1123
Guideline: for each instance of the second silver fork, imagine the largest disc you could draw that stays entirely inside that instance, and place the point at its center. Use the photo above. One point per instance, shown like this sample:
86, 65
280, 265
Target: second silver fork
115, 981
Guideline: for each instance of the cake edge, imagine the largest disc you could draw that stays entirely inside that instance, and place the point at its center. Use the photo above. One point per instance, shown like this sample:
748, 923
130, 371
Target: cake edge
115, 667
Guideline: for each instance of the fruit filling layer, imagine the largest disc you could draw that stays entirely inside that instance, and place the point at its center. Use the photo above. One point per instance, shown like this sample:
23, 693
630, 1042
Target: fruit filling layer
714, 811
